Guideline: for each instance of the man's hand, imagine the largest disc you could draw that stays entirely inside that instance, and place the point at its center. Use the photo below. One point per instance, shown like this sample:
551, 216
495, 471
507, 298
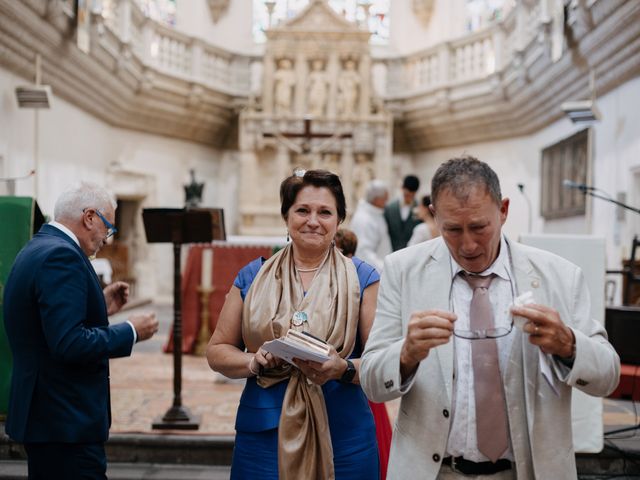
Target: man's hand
427, 329
116, 295
146, 324
546, 330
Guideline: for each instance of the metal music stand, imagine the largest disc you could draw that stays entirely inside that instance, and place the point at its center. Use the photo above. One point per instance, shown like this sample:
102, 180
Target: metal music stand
179, 226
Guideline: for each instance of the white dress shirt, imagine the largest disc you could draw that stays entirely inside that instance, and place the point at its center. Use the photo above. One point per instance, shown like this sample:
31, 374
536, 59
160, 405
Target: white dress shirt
405, 210
462, 435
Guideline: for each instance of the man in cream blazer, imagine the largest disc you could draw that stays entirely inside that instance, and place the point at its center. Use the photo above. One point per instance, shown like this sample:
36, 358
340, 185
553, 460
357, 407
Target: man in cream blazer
412, 351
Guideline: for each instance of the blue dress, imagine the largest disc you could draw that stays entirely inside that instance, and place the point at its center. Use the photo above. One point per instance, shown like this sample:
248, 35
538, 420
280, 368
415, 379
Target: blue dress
353, 432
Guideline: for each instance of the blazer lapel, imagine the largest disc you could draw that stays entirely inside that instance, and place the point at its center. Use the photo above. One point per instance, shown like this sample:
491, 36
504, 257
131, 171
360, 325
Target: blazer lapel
436, 289
47, 229
526, 280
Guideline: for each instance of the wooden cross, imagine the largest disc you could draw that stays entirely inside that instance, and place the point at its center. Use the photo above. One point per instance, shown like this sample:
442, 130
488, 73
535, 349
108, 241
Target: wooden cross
307, 135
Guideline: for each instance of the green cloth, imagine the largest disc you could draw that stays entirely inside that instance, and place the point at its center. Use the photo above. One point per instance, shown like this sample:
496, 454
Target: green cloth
16, 218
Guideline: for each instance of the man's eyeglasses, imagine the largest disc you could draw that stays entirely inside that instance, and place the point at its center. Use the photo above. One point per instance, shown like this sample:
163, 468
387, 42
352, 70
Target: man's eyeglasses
496, 332
111, 229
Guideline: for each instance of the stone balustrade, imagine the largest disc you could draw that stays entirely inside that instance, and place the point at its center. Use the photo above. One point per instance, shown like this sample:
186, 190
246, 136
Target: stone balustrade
470, 58
482, 86
173, 53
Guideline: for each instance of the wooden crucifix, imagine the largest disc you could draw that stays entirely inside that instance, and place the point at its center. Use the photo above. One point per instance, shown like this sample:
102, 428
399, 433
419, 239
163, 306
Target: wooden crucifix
307, 135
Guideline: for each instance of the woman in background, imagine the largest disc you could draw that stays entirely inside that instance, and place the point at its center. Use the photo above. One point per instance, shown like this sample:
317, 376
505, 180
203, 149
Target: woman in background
427, 229
347, 242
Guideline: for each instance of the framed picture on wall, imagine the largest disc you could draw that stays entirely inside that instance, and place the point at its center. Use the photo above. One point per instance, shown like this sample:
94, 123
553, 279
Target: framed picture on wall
569, 159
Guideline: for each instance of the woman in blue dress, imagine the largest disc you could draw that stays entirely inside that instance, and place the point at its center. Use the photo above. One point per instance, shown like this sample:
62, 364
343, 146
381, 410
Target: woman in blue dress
311, 420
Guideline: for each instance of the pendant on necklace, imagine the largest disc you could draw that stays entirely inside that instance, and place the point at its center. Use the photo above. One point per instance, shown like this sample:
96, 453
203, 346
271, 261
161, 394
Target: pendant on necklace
299, 318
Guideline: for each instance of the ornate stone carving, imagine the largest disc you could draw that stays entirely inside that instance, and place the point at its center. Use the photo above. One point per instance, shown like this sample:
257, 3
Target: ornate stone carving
317, 89
284, 81
315, 112
348, 88
218, 8
423, 10
363, 173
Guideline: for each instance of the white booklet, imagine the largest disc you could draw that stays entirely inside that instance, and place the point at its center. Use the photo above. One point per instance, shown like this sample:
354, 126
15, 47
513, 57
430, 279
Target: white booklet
300, 345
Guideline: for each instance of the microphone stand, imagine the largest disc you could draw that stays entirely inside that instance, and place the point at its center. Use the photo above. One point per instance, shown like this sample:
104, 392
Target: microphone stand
589, 191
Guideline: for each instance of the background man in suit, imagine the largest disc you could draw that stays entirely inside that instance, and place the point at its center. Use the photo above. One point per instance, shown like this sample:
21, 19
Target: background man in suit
426, 347
399, 213
56, 322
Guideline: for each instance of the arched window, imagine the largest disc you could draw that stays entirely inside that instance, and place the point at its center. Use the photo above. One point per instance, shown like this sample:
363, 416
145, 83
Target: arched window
353, 10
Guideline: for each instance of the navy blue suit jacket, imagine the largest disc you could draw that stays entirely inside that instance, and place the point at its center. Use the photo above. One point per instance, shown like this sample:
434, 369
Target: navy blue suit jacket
58, 330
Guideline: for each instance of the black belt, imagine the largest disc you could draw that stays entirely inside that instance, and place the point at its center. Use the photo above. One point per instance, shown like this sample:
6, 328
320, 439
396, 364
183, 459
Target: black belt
467, 467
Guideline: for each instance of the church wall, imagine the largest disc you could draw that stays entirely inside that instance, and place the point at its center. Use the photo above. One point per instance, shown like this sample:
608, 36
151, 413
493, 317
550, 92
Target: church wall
232, 31
135, 166
615, 168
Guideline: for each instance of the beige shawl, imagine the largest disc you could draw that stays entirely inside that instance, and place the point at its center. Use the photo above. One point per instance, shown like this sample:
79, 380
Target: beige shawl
332, 304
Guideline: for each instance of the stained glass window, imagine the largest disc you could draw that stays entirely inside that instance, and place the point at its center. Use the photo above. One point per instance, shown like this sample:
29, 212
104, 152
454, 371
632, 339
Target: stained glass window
352, 10
482, 13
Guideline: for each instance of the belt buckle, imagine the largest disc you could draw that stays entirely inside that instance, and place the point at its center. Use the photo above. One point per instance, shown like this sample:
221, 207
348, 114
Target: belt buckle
453, 465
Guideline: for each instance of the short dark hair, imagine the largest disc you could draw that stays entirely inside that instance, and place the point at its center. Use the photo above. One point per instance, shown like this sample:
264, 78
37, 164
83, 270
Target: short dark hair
346, 241
461, 174
426, 201
411, 183
291, 186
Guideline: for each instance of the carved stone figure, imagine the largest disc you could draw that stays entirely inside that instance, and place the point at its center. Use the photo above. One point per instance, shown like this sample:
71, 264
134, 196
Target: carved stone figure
363, 173
423, 9
284, 81
348, 87
317, 86
331, 162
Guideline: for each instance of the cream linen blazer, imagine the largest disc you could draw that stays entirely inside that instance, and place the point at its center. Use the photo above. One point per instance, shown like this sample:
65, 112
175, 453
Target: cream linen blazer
419, 278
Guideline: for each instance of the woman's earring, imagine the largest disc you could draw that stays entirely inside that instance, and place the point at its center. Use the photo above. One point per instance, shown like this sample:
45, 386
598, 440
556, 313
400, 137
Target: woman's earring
288, 239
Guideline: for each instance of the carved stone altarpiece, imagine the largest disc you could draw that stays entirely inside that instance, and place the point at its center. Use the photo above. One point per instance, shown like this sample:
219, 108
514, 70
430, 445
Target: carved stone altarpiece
316, 110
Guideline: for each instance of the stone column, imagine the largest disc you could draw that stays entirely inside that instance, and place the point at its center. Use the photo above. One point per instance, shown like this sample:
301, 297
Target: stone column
267, 83
301, 70
197, 60
364, 101
248, 183
444, 59
383, 154
333, 69
346, 167
124, 17
283, 163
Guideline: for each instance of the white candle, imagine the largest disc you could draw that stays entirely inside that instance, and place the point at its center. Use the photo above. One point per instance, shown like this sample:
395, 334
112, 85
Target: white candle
207, 268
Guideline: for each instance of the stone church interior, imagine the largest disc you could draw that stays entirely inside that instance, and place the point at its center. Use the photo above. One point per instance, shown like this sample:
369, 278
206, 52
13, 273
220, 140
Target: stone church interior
164, 101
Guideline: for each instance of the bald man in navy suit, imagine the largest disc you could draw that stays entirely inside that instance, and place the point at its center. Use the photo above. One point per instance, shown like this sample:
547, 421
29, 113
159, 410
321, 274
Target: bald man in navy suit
56, 319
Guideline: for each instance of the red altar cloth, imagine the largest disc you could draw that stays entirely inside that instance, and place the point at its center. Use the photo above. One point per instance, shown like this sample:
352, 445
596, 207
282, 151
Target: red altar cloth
227, 261
629, 386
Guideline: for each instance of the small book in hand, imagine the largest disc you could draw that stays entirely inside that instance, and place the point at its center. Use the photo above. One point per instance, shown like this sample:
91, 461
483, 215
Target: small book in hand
300, 345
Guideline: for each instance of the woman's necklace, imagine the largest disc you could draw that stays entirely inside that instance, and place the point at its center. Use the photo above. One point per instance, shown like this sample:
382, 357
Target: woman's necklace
300, 316
307, 270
